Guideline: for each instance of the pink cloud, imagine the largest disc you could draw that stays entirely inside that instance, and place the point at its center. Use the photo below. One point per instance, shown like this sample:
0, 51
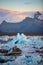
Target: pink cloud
15, 16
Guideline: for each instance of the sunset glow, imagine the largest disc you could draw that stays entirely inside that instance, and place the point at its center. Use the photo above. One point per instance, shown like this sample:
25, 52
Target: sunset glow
16, 10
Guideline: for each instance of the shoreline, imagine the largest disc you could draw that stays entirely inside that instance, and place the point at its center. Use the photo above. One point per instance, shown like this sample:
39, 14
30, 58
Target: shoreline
26, 33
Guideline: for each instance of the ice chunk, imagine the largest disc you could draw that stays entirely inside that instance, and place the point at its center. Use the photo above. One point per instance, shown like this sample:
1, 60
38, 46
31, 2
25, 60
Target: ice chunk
23, 36
16, 38
19, 39
36, 59
4, 38
29, 41
38, 43
7, 46
21, 60
11, 43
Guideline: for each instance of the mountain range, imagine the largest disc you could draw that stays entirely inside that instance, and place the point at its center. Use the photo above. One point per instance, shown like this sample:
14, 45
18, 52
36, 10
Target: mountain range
30, 25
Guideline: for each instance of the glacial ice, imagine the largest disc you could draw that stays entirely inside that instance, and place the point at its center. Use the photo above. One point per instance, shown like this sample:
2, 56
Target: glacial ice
29, 56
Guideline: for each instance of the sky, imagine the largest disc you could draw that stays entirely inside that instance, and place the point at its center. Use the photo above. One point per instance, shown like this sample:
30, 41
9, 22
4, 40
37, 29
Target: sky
22, 5
16, 10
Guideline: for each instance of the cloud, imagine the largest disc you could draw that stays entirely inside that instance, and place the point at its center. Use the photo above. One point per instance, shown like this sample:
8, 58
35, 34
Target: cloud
11, 16
14, 16
27, 3
1, 19
37, 14
41, 16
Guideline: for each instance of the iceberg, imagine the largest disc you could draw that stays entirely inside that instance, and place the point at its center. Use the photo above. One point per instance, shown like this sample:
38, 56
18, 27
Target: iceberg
28, 47
19, 39
36, 59
4, 38
33, 59
23, 36
21, 60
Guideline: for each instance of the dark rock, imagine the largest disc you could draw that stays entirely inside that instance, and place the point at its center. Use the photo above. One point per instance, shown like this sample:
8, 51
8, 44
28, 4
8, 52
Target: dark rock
3, 51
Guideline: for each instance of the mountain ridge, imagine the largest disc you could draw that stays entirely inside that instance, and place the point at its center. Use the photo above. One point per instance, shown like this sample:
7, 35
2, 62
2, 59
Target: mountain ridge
26, 25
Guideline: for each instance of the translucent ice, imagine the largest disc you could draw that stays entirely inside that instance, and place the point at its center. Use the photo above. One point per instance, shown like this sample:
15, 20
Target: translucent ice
36, 59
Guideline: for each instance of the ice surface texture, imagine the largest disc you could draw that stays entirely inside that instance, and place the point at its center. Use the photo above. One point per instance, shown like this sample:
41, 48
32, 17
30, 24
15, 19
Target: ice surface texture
28, 45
